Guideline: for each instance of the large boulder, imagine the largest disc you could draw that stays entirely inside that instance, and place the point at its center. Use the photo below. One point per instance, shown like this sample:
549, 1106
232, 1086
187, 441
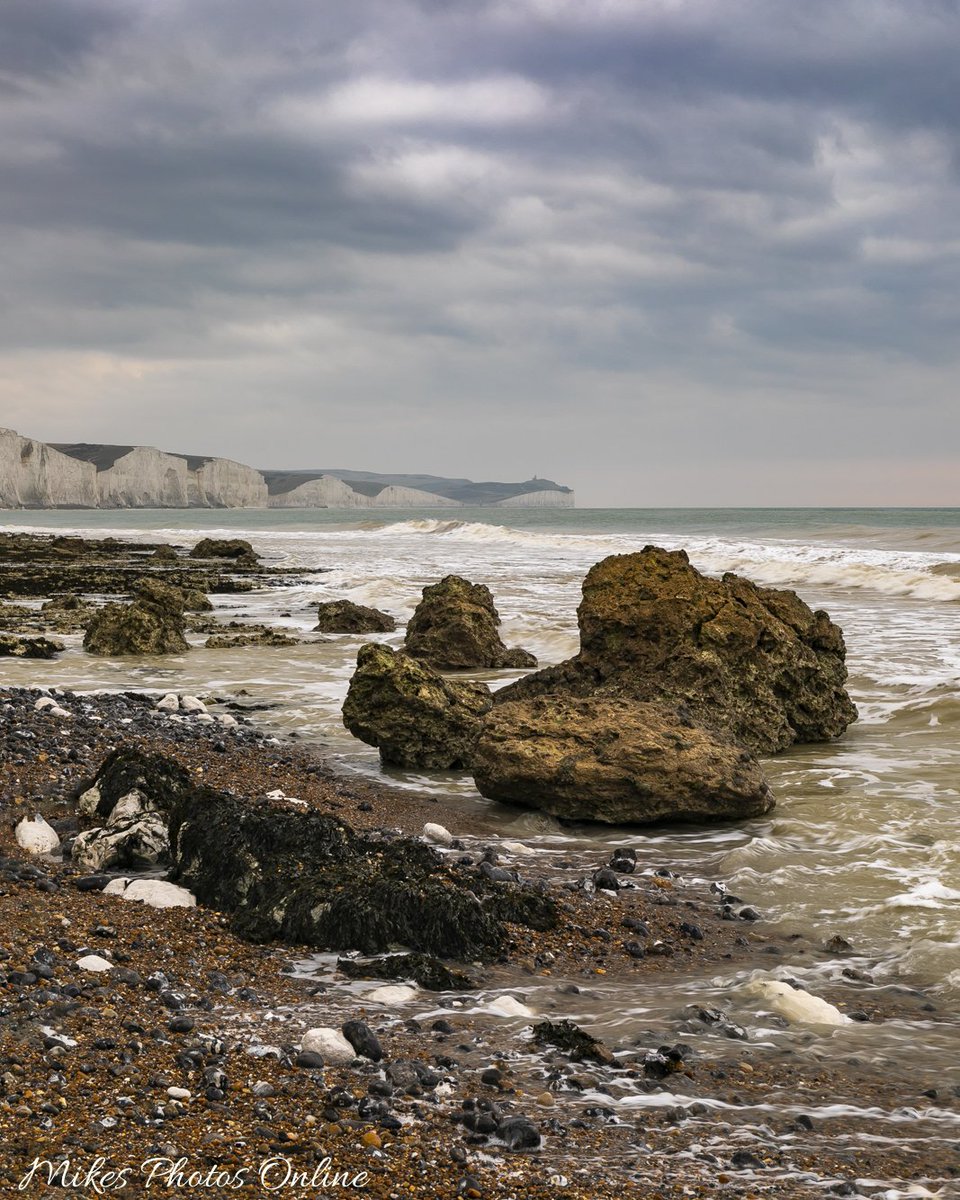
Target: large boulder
755, 662
455, 628
414, 716
616, 761
282, 871
152, 624
343, 616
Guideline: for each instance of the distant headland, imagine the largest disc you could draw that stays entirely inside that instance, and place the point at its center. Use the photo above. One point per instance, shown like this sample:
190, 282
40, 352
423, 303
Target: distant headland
86, 475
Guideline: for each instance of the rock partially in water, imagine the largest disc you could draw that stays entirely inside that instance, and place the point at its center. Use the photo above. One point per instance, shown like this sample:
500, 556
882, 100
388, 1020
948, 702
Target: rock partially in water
754, 662
414, 716
423, 969
236, 548
798, 1007
152, 624
234, 634
455, 628
616, 761
572, 1040
30, 647
343, 616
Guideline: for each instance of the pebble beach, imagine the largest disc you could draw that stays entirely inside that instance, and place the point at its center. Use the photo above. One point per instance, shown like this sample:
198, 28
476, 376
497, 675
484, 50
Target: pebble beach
136, 1035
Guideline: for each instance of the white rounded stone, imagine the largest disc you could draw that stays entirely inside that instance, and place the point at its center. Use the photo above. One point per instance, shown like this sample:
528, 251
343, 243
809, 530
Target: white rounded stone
437, 834
156, 893
36, 837
93, 962
330, 1044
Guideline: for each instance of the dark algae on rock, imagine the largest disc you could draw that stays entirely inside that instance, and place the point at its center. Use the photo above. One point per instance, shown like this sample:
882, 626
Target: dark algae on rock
343, 616
309, 878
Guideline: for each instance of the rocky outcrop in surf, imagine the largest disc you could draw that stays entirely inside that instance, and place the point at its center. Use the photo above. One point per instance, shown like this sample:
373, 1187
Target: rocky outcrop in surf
343, 616
755, 663
153, 624
615, 761
414, 716
455, 627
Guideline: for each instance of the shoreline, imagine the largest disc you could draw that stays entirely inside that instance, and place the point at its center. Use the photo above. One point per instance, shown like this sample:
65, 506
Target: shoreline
696, 1102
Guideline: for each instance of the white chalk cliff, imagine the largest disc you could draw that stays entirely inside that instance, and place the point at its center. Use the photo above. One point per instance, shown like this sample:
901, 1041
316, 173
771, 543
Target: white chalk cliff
34, 475
91, 475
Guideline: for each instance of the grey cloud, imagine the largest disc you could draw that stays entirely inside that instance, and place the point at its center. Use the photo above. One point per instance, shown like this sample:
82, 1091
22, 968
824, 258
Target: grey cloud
673, 215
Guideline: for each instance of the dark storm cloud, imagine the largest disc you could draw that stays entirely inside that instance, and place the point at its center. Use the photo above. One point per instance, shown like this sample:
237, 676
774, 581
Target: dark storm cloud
683, 213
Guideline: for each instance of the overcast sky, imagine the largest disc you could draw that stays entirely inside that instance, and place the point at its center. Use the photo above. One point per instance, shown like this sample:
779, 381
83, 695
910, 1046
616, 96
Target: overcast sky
663, 251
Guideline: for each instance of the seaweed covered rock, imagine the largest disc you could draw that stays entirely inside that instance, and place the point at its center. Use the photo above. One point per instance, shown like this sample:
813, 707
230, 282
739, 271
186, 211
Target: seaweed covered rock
31, 647
343, 616
455, 628
309, 878
233, 634
152, 624
616, 761
572, 1040
236, 548
423, 969
162, 782
414, 716
755, 662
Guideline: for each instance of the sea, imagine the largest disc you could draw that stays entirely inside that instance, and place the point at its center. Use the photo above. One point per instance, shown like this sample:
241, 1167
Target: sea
864, 842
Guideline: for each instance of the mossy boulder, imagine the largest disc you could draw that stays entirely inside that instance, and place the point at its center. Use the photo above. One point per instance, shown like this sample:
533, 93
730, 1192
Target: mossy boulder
236, 548
754, 662
414, 716
343, 616
152, 624
616, 761
455, 627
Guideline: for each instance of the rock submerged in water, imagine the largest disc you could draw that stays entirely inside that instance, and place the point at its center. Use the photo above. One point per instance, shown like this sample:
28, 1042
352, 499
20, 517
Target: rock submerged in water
616, 761
152, 624
754, 662
31, 647
343, 616
455, 628
414, 716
